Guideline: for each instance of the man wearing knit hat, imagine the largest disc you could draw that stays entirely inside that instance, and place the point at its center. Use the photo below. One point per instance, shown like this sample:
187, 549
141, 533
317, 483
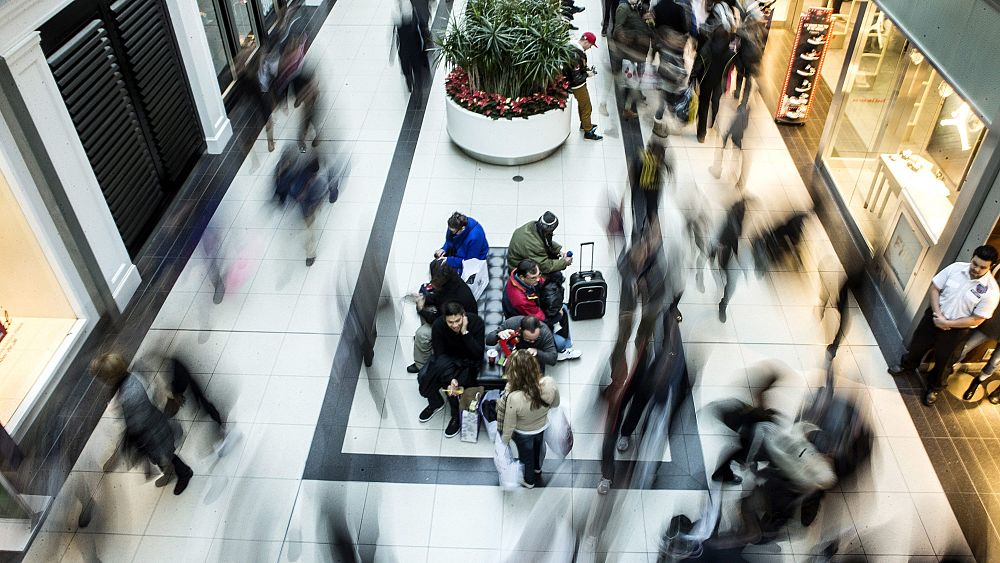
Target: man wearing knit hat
533, 241
578, 74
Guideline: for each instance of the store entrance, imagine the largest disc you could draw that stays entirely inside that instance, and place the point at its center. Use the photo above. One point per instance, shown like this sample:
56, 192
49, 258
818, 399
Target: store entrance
784, 24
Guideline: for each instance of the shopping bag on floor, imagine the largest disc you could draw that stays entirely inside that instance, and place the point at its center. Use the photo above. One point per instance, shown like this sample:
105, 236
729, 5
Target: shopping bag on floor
469, 412
488, 412
510, 471
559, 434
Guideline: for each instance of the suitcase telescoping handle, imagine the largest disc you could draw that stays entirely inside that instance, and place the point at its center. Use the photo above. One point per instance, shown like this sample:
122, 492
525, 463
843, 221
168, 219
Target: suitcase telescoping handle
583, 244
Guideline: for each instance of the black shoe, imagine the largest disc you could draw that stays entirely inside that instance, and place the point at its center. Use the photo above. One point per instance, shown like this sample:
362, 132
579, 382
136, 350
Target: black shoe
182, 481
995, 397
428, 413
576, 9
592, 135
453, 427
722, 312
412, 368
334, 194
310, 261
931, 397
971, 391
573, 27
899, 371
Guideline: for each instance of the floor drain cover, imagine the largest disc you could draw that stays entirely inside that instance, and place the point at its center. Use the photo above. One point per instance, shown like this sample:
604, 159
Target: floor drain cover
518, 178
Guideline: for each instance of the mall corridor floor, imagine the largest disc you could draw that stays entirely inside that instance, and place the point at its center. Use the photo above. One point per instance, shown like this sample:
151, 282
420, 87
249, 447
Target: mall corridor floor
324, 451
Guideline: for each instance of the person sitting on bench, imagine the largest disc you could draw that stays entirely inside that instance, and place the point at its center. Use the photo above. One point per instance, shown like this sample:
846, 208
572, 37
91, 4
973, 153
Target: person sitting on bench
445, 285
532, 335
458, 341
523, 296
465, 240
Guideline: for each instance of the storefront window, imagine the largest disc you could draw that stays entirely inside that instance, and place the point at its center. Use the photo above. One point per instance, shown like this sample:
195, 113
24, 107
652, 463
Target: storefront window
243, 22
35, 315
901, 144
216, 36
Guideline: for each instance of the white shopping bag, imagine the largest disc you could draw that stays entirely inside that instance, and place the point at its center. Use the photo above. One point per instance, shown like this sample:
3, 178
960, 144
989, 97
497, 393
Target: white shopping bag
559, 434
479, 269
510, 470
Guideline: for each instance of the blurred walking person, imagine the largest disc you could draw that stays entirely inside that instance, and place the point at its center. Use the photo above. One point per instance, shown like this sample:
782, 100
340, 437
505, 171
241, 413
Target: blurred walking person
710, 69
647, 174
522, 412
148, 432
182, 382
408, 37
726, 250
632, 37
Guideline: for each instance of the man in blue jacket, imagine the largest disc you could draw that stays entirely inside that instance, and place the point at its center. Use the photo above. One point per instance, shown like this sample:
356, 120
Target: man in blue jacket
465, 240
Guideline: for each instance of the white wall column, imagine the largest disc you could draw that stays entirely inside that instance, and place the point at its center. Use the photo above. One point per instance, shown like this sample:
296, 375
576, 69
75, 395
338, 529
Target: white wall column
62, 143
201, 74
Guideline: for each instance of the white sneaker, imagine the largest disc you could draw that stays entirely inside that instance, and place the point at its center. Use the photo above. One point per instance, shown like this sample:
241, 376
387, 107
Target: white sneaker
604, 486
568, 354
623, 443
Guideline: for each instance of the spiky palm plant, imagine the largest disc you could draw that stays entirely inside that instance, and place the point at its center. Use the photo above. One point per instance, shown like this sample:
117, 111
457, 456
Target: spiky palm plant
512, 48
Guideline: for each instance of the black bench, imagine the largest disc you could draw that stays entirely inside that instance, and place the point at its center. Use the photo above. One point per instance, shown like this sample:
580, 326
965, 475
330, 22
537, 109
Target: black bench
491, 310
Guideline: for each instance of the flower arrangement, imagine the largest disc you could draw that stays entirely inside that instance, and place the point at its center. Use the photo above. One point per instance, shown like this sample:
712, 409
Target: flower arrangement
497, 106
507, 57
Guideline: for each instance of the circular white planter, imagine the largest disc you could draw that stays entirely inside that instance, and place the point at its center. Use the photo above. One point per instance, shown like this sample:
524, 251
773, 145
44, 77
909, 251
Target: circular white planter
507, 141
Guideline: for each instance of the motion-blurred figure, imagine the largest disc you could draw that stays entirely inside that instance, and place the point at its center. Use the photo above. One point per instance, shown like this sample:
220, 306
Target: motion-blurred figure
307, 92
751, 33
675, 24
149, 434
735, 132
408, 38
781, 244
302, 178
851, 283
643, 278
726, 251
253, 78
181, 383
648, 172
632, 37
711, 67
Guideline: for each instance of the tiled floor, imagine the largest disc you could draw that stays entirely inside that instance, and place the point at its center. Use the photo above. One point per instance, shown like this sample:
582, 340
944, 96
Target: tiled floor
267, 356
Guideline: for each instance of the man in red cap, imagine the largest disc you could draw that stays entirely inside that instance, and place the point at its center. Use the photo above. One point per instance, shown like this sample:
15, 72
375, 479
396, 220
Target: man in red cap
578, 74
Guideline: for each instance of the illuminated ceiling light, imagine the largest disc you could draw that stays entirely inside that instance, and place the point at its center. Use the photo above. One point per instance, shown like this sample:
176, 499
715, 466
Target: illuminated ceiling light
916, 56
944, 89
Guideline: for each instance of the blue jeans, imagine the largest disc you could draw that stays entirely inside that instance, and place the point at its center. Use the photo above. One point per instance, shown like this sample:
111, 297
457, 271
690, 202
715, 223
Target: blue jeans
563, 342
531, 453
975, 339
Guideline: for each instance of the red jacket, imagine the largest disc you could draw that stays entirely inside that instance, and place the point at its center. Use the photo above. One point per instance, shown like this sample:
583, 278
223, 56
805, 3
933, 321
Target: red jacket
522, 298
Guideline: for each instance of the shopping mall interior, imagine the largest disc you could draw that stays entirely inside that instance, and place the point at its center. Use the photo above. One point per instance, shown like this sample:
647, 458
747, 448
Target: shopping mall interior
276, 346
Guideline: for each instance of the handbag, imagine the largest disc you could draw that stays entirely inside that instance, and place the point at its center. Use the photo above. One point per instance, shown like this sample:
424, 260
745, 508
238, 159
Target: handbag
509, 470
559, 435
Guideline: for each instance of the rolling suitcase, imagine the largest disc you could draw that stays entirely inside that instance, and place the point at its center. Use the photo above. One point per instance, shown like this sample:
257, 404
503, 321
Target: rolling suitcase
588, 292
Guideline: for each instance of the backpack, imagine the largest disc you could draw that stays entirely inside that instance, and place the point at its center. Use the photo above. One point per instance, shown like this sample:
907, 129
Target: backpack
789, 450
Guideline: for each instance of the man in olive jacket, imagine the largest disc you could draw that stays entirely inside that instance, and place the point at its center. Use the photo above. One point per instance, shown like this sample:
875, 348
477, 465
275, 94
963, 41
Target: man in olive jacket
534, 241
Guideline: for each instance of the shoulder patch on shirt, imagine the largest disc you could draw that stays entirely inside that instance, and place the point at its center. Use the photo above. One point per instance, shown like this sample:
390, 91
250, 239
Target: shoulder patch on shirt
981, 288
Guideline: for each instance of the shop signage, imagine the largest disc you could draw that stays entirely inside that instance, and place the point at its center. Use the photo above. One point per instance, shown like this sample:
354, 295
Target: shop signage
808, 53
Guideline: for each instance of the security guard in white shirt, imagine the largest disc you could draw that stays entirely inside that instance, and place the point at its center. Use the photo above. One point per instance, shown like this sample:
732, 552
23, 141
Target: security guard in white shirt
963, 295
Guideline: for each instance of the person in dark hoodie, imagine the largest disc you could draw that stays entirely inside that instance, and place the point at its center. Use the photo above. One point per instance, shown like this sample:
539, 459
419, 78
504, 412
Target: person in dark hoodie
445, 286
710, 67
465, 240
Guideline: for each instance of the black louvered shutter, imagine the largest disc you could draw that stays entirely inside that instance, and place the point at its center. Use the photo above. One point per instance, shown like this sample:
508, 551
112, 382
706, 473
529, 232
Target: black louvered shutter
90, 79
147, 39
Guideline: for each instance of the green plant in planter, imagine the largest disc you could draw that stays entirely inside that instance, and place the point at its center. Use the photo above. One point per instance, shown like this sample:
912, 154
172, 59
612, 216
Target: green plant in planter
510, 54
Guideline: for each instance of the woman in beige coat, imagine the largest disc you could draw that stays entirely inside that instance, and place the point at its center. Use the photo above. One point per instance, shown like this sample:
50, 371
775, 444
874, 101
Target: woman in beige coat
522, 412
